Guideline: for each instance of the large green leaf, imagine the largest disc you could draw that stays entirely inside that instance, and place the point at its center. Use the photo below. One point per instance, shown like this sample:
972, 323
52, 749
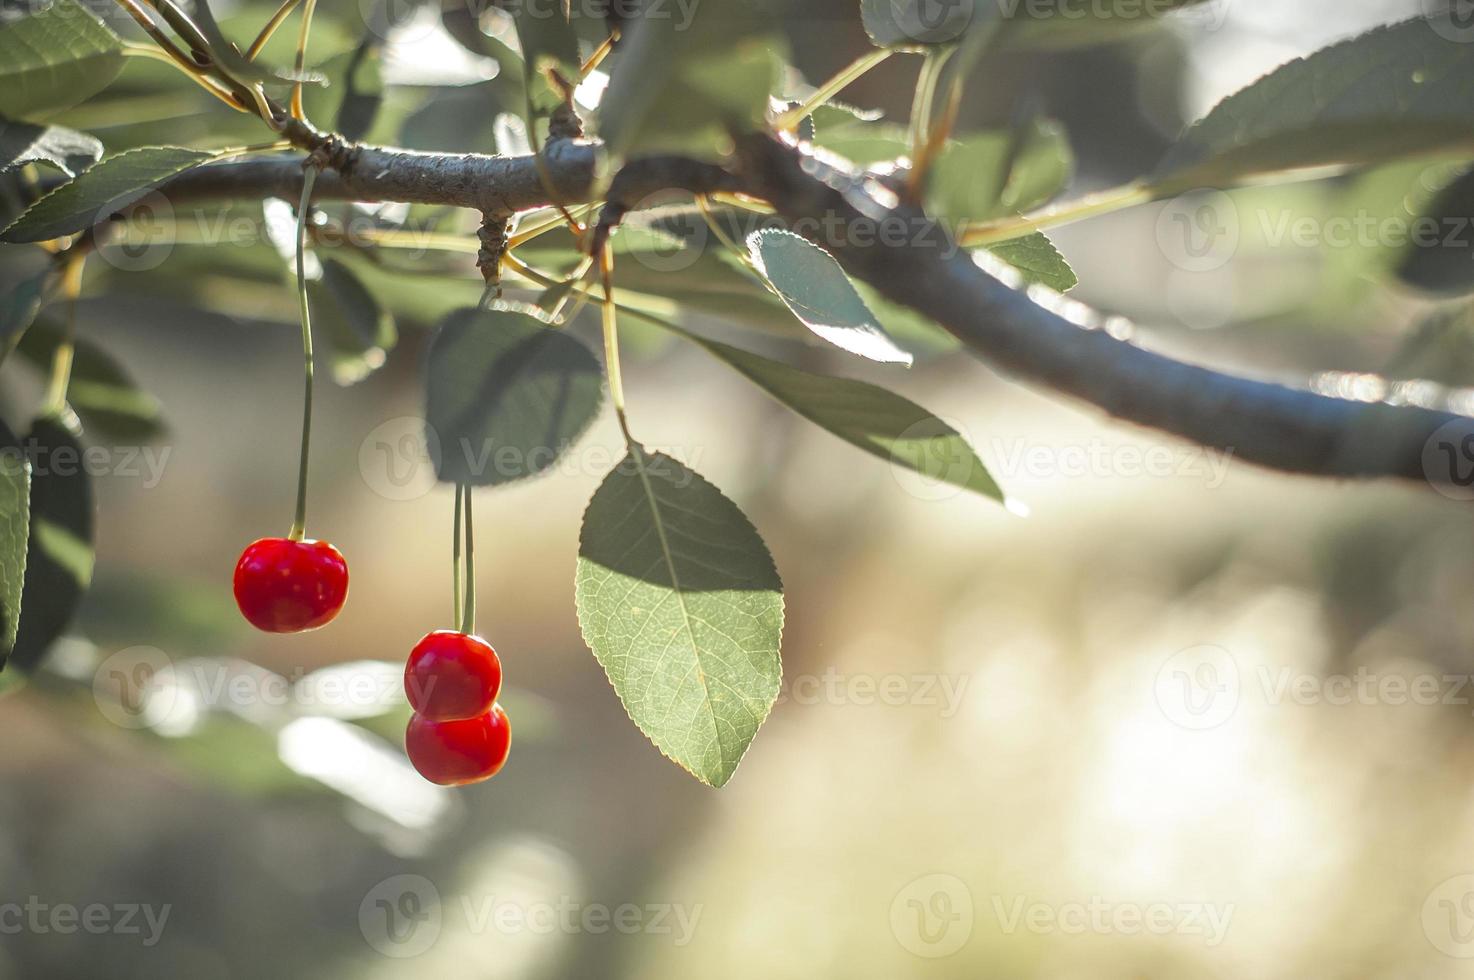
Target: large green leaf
54, 59
1038, 261
1392, 93
15, 521
684, 87
359, 332
101, 392
991, 174
878, 421
680, 602
506, 395
59, 556
65, 149
816, 289
108, 187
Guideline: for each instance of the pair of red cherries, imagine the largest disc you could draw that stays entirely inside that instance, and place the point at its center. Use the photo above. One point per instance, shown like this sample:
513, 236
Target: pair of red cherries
458, 733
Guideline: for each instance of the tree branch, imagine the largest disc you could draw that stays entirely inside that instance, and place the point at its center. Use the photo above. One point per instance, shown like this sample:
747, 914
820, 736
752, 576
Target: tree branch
1036, 335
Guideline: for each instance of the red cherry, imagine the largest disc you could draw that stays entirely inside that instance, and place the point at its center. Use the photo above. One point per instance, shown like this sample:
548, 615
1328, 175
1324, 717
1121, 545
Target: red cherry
454, 753
451, 676
286, 586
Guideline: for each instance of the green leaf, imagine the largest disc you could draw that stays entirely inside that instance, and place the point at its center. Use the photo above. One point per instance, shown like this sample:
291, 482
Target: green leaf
1392, 93
59, 555
15, 519
65, 149
878, 421
866, 145
548, 39
359, 332
684, 87
19, 308
992, 174
679, 600
101, 391
54, 59
108, 187
816, 289
1441, 259
1038, 261
507, 396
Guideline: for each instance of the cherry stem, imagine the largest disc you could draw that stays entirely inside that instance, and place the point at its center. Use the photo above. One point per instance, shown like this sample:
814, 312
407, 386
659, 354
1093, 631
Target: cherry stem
61, 362
309, 178
611, 344
455, 555
468, 623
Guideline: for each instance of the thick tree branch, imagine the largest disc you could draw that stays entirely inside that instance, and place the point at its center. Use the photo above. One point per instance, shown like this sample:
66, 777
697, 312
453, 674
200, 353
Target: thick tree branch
1037, 336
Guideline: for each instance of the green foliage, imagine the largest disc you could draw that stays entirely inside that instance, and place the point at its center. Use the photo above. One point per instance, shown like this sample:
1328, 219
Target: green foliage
506, 396
102, 392
992, 174
114, 183
55, 58
59, 553
819, 293
878, 421
1394, 92
1038, 261
65, 149
19, 308
1442, 260
358, 331
679, 600
677, 87
15, 519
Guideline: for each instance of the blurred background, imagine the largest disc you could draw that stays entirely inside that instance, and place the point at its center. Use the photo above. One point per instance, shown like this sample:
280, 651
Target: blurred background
1186, 719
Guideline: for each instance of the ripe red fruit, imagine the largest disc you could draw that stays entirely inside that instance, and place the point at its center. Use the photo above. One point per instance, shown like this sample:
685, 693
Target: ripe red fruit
454, 753
452, 676
286, 586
